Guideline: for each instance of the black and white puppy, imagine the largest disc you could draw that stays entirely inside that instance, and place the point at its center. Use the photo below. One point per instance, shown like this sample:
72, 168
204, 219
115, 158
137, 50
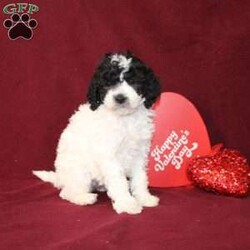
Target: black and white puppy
107, 141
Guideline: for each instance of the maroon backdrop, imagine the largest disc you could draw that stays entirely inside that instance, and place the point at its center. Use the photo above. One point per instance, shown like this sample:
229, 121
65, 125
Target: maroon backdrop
199, 49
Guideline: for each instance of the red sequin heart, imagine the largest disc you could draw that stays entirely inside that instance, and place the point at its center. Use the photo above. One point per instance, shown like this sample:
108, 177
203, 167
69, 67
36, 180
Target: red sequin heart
225, 171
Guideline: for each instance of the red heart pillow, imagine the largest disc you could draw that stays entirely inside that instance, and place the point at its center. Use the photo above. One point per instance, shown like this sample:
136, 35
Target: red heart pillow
223, 171
180, 135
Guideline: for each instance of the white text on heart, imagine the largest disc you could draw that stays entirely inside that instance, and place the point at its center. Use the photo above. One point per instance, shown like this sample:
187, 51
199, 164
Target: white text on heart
173, 150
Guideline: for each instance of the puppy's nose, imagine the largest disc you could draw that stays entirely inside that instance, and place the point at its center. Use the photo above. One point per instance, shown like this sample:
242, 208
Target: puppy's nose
120, 98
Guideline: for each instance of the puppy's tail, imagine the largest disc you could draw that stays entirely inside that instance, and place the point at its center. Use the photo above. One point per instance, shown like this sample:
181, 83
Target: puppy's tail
47, 176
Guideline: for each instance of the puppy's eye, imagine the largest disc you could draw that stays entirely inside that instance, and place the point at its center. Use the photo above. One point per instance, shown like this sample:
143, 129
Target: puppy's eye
136, 85
114, 63
111, 78
134, 82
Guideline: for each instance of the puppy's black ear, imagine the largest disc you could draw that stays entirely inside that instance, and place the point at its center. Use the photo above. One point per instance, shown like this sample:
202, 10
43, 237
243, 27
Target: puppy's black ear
93, 95
96, 85
152, 88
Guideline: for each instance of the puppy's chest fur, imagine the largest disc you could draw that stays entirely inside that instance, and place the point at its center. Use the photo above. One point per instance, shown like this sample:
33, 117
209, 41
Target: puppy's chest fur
95, 136
133, 130
130, 139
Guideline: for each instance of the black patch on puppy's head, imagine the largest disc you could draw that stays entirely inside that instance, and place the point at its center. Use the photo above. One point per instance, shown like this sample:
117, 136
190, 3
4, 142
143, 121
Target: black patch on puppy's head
144, 81
108, 74
105, 76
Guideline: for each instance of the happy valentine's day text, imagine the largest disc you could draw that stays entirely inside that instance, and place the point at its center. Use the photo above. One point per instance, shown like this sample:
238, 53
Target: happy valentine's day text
173, 150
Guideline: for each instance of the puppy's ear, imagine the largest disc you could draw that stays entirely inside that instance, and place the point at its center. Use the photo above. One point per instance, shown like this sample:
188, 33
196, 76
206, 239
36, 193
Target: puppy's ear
93, 95
96, 85
152, 88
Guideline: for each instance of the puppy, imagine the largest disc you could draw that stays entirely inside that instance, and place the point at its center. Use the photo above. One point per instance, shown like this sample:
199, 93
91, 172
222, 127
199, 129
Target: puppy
106, 143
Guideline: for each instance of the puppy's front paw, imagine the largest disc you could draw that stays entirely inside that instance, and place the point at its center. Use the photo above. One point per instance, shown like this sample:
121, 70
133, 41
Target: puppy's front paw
148, 200
130, 206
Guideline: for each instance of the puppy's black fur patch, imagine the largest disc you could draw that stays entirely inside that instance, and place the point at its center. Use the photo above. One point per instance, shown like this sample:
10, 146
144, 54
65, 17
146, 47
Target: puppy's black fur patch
139, 76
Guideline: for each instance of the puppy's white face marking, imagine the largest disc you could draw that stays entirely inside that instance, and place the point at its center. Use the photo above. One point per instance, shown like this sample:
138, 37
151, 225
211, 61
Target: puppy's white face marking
132, 99
123, 63
131, 103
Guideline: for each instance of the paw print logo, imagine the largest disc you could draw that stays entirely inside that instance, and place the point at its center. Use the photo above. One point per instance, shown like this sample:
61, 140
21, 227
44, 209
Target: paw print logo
20, 26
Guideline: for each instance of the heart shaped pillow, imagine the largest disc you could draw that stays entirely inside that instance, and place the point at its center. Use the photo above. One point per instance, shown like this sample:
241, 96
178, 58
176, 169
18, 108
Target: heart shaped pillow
223, 171
180, 134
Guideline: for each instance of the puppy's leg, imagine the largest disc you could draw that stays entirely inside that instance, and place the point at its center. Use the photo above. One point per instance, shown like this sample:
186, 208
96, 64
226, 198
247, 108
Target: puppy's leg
118, 189
139, 186
76, 189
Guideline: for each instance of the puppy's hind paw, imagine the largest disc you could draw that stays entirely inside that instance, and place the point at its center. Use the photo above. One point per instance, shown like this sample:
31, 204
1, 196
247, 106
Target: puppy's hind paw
79, 199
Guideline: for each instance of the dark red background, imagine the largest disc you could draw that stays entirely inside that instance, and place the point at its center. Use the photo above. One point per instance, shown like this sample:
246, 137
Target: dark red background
199, 49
